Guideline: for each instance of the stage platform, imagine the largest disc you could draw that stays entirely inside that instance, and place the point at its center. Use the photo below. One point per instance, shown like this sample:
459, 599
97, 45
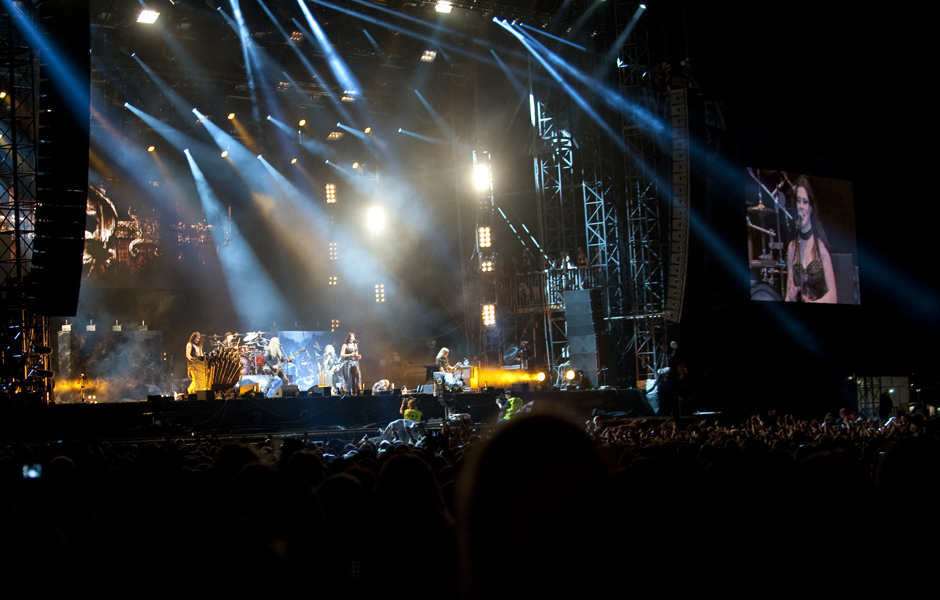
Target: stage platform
249, 415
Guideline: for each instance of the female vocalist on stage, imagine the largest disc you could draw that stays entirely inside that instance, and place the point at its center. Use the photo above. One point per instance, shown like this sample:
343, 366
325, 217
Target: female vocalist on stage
350, 357
196, 363
810, 277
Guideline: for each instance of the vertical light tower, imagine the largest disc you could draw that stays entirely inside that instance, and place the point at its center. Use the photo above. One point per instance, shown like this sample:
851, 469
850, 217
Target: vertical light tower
486, 258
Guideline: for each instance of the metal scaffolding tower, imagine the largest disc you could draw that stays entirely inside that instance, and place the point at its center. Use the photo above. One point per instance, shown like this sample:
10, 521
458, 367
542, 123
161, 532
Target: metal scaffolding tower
24, 341
646, 235
559, 201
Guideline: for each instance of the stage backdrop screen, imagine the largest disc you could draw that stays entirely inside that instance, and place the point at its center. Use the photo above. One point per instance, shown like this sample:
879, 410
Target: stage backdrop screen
801, 241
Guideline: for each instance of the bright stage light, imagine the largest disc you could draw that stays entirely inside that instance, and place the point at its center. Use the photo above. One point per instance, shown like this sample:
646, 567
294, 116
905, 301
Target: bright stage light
125, 105
331, 193
489, 315
443, 6
369, 130
268, 117
483, 235
259, 157
231, 116
151, 149
334, 325
380, 292
334, 253
375, 219
4, 95
428, 56
355, 165
224, 153
335, 135
399, 130
481, 177
570, 375
302, 122
293, 161
486, 266
296, 37
148, 16
541, 377
333, 280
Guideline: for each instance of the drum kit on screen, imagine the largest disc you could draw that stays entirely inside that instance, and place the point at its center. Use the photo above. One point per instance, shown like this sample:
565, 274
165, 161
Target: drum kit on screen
766, 245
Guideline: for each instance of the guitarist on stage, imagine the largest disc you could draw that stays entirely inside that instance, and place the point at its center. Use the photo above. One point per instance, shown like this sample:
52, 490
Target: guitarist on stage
274, 361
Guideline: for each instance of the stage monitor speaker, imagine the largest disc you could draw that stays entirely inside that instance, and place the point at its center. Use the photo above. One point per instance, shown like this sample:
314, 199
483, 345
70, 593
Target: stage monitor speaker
286, 391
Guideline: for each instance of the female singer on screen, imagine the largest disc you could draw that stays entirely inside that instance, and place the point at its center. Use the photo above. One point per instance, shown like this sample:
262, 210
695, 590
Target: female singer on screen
810, 277
350, 356
195, 363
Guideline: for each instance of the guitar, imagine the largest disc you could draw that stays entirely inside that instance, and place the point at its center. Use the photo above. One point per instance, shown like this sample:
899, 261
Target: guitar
277, 368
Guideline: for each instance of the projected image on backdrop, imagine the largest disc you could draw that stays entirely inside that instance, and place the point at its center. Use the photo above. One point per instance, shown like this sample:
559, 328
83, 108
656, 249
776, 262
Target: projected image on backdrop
801, 242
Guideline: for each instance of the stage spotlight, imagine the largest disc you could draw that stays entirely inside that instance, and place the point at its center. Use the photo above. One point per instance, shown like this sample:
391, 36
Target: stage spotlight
125, 105
486, 266
268, 117
4, 95
259, 157
443, 6
483, 235
541, 377
376, 219
355, 165
231, 116
570, 374
302, 122
369, 130
334, 280
428, 56
481, 177
296, 37
348, 96
293, 161
489, 315
335, 135
380, 292
224, 153
330, 192
151, 149
399, 130
148, 16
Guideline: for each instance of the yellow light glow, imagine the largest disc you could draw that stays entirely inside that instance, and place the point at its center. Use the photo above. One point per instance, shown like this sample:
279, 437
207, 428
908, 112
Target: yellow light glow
3, 94
151, 149
293, 161
224, 153
569, 375
483, 235
368, 130
541, 377
231, 116
355, 165
489, 315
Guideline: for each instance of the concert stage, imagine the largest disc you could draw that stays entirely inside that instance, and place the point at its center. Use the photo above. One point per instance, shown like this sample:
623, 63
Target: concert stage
252, 415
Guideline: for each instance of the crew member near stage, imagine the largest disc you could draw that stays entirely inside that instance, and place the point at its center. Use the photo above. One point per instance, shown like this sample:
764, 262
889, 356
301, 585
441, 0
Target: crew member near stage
196, 364
409, 410
350, 356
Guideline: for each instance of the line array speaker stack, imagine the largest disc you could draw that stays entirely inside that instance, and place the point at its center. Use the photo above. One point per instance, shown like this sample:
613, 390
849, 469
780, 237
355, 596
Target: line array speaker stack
584, 319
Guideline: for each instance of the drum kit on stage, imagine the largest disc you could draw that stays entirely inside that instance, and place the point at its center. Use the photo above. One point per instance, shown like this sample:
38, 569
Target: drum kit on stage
250, 348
